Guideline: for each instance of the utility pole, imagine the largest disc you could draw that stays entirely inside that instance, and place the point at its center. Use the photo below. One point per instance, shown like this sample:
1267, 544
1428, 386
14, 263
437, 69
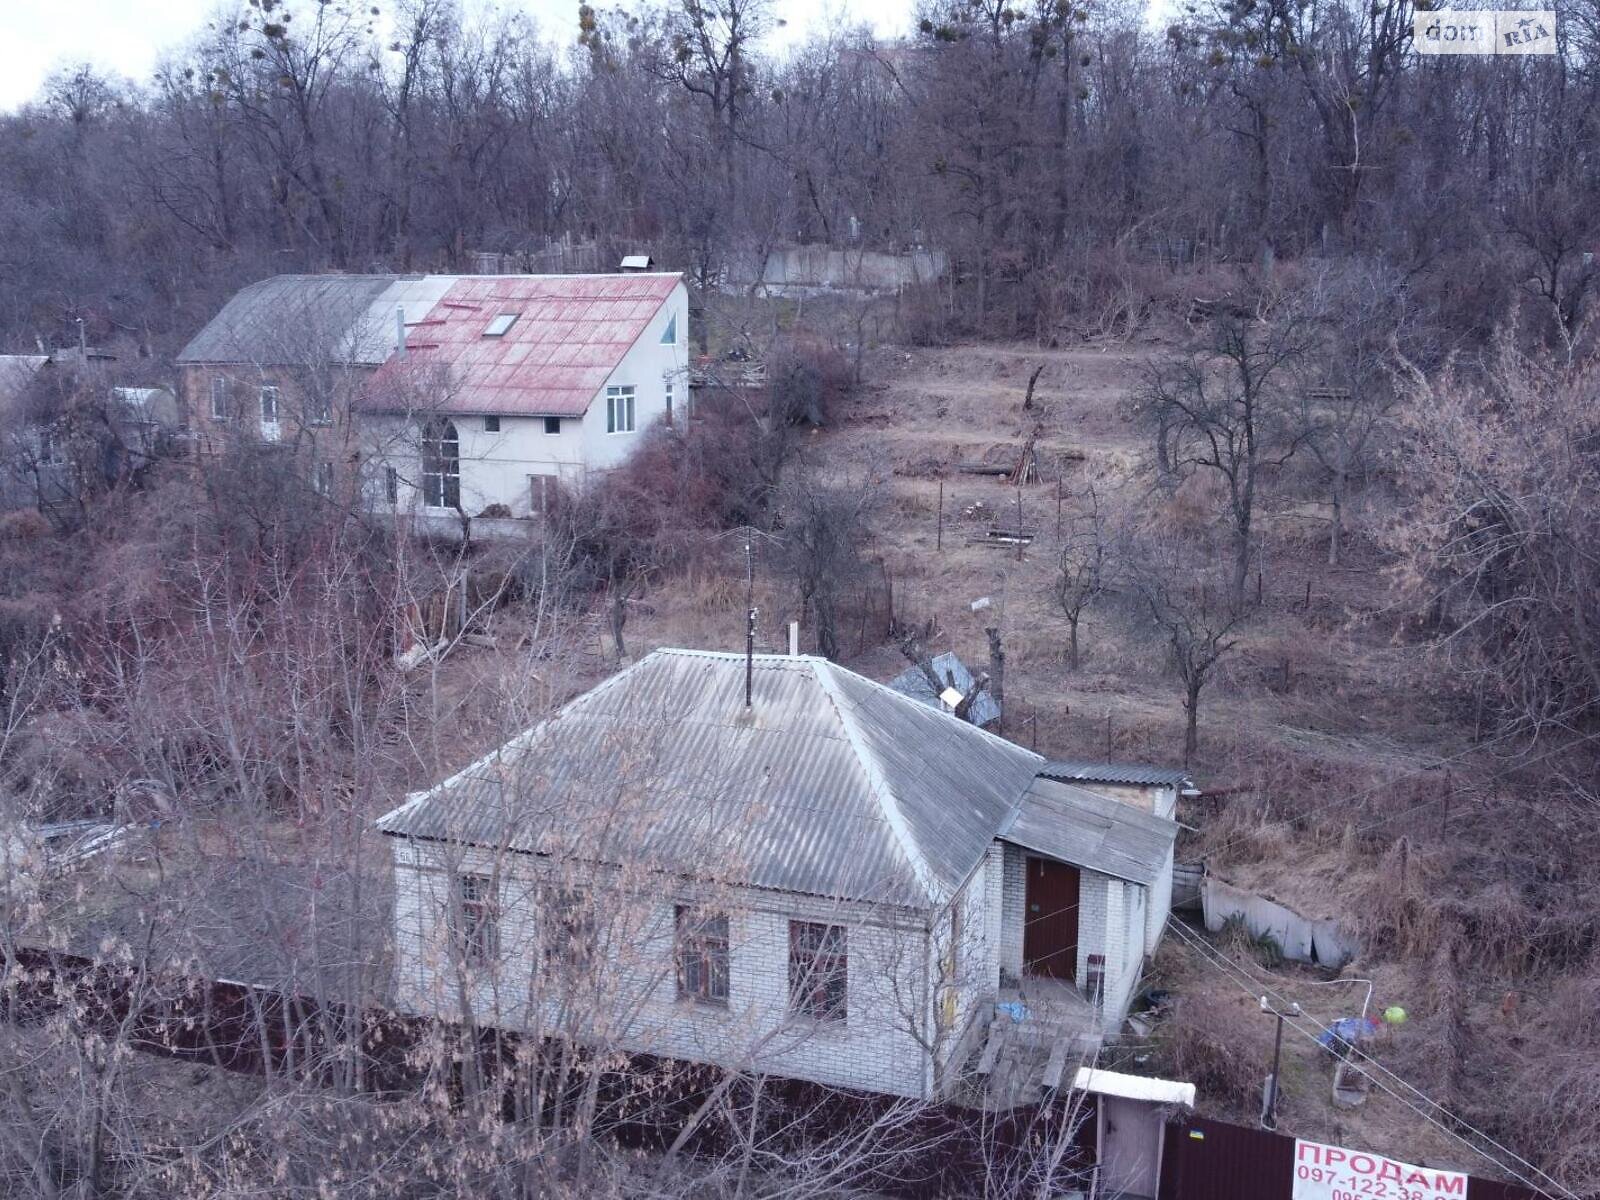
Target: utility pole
1269, 1109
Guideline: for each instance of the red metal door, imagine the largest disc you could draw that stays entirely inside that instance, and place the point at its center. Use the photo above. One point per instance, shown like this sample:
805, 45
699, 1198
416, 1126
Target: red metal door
1050, 927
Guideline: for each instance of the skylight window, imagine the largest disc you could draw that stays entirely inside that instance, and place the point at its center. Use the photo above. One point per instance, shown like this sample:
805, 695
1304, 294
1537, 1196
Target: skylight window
501, 324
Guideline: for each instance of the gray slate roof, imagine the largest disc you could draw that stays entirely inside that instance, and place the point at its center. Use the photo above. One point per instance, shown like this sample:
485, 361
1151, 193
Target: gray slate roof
831, 785
296, 319
1130, 773
915, 684
1089, 830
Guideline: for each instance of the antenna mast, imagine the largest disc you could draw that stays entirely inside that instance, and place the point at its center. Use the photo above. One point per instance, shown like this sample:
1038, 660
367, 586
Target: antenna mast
749, 621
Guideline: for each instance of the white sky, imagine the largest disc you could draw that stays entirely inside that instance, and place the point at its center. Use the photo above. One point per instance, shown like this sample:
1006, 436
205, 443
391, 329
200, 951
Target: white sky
125, 37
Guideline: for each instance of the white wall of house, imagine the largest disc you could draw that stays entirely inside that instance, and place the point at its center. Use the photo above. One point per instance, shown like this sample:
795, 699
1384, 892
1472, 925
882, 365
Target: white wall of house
503, 466
874, 1048
648, 367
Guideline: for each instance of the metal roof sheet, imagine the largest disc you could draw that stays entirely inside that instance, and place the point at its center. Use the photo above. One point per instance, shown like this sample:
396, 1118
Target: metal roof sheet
831, 784
1087, 829
915, 684
570, 334
1130, 773
291, 319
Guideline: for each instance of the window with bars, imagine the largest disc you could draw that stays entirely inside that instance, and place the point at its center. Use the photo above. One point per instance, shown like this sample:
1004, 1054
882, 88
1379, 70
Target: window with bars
391, 485
702, 955
619, 409
819, 971
477, 930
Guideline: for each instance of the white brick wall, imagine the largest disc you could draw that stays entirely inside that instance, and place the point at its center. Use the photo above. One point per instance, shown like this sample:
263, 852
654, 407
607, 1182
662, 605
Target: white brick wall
634, 1002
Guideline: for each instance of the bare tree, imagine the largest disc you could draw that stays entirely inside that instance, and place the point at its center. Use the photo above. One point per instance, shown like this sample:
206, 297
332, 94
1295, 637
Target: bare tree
1228, 410
1183, 600
1086, 565
823, 530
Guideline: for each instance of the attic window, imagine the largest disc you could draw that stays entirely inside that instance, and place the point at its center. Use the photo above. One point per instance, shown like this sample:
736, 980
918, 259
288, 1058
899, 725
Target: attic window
669, 335
501, 325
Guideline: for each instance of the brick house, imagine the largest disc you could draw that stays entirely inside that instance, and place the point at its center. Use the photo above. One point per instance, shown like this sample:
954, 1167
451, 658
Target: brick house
441, 394
817, 877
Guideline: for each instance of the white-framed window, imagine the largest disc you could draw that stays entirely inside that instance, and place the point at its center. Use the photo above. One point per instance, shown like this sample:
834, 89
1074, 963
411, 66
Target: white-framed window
619, 409
52, 448
441, 465
669, 335
219, 398
269, 404
322, 478
501, 325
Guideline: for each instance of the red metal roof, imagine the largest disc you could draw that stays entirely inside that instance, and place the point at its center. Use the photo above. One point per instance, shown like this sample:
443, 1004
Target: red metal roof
570, 333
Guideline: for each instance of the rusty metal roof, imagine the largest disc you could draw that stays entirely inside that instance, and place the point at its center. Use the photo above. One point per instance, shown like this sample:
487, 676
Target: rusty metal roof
830, 784
570, 332
566, 335
1087, 829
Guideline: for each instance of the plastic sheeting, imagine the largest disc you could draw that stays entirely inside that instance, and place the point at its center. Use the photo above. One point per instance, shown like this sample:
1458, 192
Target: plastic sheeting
1321, 941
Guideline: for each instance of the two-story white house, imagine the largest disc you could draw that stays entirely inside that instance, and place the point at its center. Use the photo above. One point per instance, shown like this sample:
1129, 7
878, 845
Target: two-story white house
443, 395
795, 871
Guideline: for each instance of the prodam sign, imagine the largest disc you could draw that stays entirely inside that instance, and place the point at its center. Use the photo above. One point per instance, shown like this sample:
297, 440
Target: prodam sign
1331, 1173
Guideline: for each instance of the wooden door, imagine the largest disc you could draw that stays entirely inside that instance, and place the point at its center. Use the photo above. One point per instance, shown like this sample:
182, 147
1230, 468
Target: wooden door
1050, 928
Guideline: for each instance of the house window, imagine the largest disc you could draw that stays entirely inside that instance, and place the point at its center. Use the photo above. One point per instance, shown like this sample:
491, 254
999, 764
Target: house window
552, 425
51, 450
478, 934
269, 405
669, 403
501, 325
702, 955
568, 929
322, 478
441, 465
391, 485
219, 398
619, 409
819, 970
491, 424
669, 335
319, 411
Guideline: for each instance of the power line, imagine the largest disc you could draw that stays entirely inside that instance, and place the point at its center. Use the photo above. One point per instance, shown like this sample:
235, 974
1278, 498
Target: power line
1234, 974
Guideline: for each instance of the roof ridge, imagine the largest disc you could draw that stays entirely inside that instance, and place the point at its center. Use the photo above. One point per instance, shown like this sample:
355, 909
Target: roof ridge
888, 802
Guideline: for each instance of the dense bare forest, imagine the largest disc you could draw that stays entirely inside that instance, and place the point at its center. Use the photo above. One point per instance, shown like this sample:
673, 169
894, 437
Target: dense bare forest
1282, 332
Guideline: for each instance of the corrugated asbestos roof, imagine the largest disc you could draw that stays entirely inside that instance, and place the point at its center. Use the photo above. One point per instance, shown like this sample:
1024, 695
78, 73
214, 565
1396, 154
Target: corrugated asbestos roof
1087, 829
291, 320
570, 333
915, 684
831, 785
1130, 773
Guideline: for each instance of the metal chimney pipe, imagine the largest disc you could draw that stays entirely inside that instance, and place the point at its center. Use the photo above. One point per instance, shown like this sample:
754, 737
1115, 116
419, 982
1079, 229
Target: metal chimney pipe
794, 639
